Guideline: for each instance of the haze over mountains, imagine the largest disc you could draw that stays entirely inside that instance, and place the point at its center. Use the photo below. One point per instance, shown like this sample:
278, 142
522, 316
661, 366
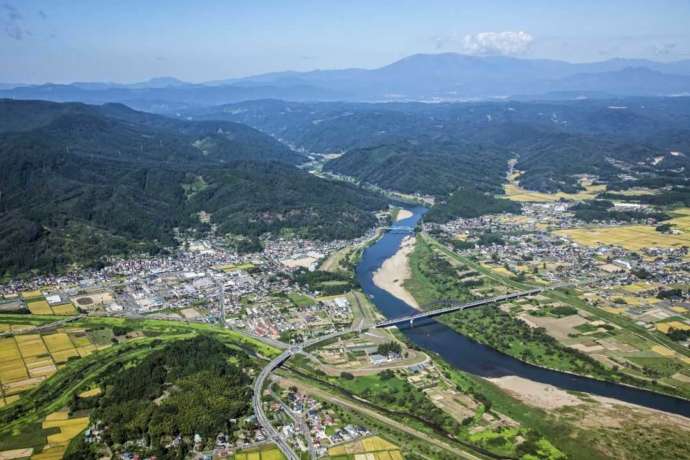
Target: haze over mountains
425, 77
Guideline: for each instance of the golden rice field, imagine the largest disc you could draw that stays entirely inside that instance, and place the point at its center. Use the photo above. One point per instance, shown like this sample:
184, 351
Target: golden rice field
268, 452
67, 428
31, 294
39, 307
514, 192
27, 360
634, 237
370, 448
64, 309
664, 327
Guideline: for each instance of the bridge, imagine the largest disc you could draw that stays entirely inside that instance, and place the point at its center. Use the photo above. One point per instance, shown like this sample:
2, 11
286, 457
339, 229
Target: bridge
399, 229
454, 306
292, 350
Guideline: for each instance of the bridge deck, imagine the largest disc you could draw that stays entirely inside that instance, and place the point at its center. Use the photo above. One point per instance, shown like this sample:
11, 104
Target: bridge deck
456, 307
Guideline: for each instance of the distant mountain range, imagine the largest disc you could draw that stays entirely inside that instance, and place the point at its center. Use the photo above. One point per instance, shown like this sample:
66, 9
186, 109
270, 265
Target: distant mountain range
421, 77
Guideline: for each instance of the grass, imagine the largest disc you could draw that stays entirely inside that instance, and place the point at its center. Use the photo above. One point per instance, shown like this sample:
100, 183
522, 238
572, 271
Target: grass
301, 300
663, 367
234, 267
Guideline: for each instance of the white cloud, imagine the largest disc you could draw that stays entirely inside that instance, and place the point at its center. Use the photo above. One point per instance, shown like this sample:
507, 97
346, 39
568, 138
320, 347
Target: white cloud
500, 43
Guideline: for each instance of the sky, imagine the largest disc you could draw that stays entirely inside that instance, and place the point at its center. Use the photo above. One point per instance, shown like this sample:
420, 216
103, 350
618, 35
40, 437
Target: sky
63, 41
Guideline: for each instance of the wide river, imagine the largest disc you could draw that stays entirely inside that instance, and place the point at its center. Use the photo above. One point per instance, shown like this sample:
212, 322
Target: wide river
470, 356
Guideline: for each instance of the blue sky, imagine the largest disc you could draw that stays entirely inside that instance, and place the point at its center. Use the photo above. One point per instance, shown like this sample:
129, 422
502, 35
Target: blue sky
124, 41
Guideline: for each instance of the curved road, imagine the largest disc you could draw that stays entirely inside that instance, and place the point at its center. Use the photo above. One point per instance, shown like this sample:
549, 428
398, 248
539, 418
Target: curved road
257, 405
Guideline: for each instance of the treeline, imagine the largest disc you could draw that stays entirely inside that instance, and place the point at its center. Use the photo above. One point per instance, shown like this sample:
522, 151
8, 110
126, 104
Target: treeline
676, 196
469, 203
189, 387
604, 210
326, 283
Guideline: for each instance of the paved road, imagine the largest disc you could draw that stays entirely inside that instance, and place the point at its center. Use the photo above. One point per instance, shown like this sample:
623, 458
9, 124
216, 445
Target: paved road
351, 405
261, 417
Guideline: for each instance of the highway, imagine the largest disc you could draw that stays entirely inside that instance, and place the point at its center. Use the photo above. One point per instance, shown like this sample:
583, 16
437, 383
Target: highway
260, 381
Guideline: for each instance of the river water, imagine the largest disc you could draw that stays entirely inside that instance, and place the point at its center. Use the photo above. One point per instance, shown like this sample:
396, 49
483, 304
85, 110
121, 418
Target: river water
470, 356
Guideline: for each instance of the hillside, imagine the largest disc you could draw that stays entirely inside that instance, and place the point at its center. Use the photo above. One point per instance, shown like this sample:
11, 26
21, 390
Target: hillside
81, 182
554, 141
429, 168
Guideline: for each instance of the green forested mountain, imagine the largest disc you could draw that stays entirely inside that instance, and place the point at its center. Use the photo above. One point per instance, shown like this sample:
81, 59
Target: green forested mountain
80, 182
433, 168
554, 140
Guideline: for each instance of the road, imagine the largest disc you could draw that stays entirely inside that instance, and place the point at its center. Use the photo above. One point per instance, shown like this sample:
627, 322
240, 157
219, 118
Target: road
261, 417
351, 405
257, 404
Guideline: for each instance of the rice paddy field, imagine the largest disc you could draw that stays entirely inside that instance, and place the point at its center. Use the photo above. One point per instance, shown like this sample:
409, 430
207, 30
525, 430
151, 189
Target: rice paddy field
26, 360
37, 305
268, 452
370, 448
635, 237
59, 430
514, 192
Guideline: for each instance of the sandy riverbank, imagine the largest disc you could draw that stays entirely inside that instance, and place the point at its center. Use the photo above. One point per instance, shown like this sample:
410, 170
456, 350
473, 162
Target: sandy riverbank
549, 397
403, 214
536, 394
395, 271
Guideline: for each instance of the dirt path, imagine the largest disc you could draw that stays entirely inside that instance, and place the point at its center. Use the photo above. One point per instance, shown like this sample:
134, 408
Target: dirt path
324, 395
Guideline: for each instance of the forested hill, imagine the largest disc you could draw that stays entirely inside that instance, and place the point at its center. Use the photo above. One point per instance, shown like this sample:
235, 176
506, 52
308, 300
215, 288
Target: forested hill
114, 130
555, 140
81, 182
426, 167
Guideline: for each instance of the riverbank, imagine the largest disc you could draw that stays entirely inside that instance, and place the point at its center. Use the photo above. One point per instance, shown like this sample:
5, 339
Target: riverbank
395, 271
403, 214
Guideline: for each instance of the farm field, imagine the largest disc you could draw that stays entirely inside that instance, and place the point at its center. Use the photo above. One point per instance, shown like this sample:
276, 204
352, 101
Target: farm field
37, 305
370, 448
27, 360
267, 452
634, 237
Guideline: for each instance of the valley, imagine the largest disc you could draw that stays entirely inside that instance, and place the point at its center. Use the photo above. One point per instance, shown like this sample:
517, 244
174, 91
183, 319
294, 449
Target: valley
291, 237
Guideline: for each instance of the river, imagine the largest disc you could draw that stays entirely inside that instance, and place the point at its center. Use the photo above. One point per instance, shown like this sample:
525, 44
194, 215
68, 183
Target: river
475, 358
